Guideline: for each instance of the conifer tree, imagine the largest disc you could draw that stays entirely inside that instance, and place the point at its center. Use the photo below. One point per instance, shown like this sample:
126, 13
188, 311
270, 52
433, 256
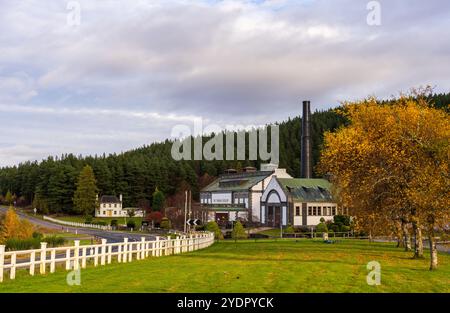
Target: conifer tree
85, 198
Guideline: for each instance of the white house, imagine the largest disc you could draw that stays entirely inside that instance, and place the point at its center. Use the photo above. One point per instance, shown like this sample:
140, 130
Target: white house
297, 201
111, 206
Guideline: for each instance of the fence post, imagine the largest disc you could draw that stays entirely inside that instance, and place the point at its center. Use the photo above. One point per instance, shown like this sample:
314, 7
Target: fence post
138, 250
157, 251
109, 254
52, 261
103, 257
119, 253
147, 246
76, 255
68, 259
43, 256
125, 248
83, 258
95, 255
130, 251
12, 269
32, 259
2, 261
142, 247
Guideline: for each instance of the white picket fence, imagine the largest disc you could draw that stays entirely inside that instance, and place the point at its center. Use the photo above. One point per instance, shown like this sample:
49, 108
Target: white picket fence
76, 257
75, 224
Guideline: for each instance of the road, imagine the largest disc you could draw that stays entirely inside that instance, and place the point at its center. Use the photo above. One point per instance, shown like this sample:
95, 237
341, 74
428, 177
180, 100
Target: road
110, 236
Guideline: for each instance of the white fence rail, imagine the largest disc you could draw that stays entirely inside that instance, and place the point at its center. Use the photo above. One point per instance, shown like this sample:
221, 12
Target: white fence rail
75, 224
76, 257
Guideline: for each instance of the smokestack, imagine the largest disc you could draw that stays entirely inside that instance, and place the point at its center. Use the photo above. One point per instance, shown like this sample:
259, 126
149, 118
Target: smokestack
306, 170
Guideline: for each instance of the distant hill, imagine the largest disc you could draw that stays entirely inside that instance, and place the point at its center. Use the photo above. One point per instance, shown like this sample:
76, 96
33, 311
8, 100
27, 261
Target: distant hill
137, 173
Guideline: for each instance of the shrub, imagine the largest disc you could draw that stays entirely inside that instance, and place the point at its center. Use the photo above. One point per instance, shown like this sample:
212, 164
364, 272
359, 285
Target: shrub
342, 220
88, 220
114, 223
54, 241
322, 220
22, 244
131, 224
37, 235
165, 223
335, 228
238, 231
289, 229
345, 228
214, 228
321, 228
101, 223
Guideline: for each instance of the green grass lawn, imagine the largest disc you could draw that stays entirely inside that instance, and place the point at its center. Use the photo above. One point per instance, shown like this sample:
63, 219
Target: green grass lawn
107, 220
249, 266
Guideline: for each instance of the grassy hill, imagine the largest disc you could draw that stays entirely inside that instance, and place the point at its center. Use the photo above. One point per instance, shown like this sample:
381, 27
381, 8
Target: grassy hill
264, 266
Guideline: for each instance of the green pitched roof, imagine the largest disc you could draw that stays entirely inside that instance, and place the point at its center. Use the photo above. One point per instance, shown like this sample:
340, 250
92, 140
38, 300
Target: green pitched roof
307, 189
236, 182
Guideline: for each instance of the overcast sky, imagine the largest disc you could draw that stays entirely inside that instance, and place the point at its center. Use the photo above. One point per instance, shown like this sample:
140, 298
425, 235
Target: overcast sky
131, 70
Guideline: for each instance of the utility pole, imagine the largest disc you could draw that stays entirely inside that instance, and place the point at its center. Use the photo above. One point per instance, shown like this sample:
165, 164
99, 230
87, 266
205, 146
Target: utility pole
185, 210
190, 207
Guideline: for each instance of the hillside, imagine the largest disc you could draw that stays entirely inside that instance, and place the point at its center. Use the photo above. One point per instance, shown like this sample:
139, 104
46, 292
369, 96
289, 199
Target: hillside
137, 173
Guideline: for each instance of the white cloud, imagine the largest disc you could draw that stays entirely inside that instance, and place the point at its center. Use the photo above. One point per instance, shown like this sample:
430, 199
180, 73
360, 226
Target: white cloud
144, 66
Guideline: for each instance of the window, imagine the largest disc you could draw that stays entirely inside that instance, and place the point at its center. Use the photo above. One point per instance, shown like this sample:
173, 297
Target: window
297, 211
319, 210
309, 211
110, 205
115, 205
104, 212
115, 212
333, 211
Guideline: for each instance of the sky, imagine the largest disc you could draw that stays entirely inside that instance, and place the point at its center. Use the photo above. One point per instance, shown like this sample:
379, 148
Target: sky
92, 77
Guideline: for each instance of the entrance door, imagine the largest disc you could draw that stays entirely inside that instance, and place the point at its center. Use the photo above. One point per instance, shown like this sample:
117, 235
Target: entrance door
277, 221
109, 213
274, 216
270, 215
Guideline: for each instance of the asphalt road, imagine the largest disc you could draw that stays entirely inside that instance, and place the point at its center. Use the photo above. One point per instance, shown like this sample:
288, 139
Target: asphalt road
110, 236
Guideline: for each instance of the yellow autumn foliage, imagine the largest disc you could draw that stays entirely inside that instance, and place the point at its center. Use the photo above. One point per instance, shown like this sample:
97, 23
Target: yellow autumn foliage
13, 227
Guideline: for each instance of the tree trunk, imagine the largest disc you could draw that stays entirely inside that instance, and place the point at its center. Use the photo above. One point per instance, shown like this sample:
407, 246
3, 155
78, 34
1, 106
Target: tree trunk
433, 251
398, 233
418, 241
406, 237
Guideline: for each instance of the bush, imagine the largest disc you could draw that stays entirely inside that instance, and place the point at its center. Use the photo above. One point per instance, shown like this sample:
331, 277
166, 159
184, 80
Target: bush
88, 220
114, 223
335, 228
54, 241
289, 229
22, 244
321, 228
238, 231
345, 228
342, 220
165, 223
322, 220
37, 235
131, 224
101, 223
214, 228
